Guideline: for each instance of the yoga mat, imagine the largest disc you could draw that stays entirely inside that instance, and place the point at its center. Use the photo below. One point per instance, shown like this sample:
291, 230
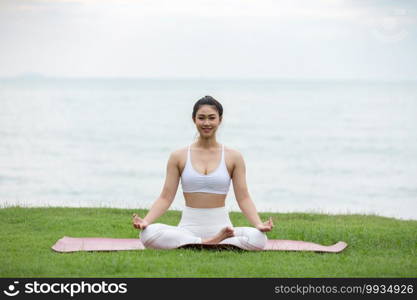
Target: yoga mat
72, 244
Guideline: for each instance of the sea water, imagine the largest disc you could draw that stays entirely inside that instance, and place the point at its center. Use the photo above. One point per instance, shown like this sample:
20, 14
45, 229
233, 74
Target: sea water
309, 145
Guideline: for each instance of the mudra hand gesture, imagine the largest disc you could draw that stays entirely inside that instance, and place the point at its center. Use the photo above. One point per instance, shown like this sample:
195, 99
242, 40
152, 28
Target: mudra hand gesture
265, 226
139, 223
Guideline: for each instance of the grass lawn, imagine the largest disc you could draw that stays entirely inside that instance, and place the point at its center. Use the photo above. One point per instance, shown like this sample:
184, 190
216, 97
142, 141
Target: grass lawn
377, 246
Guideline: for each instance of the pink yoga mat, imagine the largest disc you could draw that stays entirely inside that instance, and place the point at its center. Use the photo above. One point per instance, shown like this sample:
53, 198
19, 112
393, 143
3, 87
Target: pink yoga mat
71, 244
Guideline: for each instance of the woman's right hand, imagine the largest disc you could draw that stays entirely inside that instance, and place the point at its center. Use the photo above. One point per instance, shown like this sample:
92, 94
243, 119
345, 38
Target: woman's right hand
139, 223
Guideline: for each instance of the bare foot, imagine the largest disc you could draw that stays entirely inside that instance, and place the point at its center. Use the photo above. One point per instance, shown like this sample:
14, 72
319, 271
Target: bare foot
223, 234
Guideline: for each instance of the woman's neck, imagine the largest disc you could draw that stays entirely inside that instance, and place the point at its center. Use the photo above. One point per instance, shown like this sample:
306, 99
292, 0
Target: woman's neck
207, 143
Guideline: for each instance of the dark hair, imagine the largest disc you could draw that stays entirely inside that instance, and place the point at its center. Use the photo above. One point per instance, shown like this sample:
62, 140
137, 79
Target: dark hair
208, 100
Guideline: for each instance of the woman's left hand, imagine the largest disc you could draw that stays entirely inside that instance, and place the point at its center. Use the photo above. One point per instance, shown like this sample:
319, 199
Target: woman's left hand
265, 226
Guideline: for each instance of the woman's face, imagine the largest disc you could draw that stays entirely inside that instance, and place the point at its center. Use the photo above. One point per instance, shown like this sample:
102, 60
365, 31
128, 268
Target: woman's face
207, 120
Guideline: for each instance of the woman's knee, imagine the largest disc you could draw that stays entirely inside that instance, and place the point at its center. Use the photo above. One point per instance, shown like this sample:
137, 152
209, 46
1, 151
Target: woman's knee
152, 232
255, 238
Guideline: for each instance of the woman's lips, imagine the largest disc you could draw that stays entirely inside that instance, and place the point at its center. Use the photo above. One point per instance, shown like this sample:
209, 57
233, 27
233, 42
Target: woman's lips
206, 129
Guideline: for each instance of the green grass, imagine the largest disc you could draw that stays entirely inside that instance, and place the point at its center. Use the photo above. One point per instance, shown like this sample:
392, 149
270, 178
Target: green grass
377, 247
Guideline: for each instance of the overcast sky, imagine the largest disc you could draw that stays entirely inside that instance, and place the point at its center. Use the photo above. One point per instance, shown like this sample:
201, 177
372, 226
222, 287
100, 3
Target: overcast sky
210, 38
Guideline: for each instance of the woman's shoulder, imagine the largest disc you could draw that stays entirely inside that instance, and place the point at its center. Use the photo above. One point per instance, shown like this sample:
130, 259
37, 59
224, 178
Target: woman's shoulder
233, 153
179, 153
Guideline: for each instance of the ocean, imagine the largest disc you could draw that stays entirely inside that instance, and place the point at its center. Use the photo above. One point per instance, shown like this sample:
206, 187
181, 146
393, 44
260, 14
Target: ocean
327, 146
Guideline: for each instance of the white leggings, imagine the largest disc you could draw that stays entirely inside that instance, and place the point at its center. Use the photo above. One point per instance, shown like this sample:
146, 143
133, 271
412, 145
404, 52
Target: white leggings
197, 224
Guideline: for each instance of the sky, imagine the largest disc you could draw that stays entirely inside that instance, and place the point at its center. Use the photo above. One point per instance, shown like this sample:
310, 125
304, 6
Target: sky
336, 39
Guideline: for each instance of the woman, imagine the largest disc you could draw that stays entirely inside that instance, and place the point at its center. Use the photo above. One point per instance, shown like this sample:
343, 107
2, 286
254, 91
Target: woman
205, 183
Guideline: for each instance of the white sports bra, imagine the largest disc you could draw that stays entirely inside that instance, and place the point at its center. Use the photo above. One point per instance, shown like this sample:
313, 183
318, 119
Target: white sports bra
217, 182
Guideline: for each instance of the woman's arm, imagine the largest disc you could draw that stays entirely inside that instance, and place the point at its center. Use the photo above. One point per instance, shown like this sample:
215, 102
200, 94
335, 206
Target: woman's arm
164, 201
242, 194
249, 210
158, 208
